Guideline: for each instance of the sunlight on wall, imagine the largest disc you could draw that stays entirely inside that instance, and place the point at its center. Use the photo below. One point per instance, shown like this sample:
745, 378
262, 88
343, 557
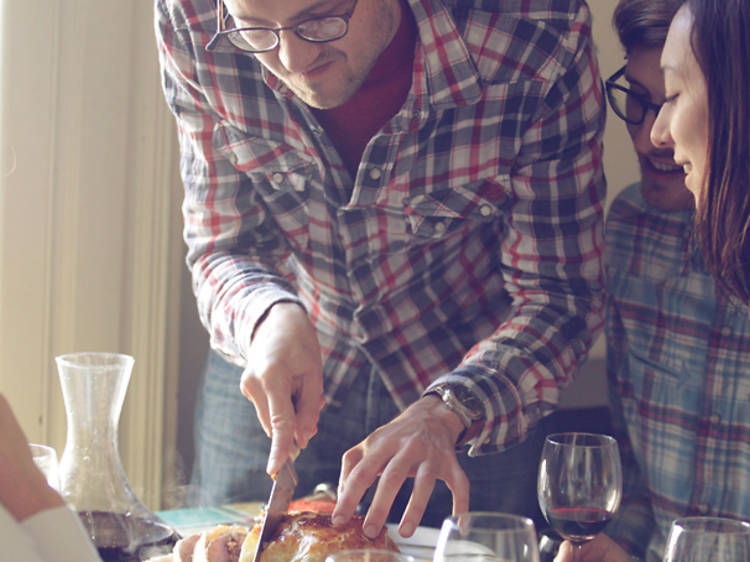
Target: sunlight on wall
6, 152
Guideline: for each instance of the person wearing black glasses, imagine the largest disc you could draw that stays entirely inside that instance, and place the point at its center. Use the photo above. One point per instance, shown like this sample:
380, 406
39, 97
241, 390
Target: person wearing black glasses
394, 219
636, 92
678, 342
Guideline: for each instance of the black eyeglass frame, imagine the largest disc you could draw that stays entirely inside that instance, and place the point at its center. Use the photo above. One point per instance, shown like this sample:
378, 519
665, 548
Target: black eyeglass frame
221, 18
611, 84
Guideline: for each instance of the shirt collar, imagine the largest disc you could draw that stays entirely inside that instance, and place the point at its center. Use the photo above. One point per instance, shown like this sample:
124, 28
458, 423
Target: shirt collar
447, 68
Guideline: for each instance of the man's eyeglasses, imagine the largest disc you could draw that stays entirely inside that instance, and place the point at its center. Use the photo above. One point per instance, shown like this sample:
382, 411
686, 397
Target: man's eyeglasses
628, 105
264, 39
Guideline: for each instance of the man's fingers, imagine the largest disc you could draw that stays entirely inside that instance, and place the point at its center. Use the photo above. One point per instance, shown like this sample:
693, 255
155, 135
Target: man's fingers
392, 478
424, 482
348, 496
248, 387
458, 484
308, 404
282, 421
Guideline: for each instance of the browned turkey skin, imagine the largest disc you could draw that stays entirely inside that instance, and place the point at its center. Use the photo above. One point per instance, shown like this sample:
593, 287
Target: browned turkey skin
309, 536
302, 536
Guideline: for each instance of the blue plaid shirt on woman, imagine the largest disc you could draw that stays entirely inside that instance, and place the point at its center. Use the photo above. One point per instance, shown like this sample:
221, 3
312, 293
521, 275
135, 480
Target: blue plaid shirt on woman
679, 367
467, 247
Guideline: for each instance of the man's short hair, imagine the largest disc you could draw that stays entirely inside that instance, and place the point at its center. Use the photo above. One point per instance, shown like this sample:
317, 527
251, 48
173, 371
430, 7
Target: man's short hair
644, 23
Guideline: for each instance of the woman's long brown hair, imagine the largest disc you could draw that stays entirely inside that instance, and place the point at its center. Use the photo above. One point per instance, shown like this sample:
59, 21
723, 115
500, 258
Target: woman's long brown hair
721, 43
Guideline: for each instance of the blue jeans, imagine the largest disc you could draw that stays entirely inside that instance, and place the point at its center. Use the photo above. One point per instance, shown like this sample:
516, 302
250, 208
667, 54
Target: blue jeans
232, 451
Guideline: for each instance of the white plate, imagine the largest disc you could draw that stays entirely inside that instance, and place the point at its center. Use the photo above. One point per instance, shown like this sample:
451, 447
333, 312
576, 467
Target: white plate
421, 545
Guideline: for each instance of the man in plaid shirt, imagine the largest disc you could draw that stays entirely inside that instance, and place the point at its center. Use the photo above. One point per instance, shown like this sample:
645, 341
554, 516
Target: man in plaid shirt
393, 212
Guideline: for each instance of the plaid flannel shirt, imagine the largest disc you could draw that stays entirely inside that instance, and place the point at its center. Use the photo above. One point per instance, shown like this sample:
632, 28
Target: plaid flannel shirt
468, 247
678, 359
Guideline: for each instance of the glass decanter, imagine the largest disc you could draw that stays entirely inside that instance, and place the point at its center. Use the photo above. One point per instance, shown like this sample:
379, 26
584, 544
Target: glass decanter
92, 479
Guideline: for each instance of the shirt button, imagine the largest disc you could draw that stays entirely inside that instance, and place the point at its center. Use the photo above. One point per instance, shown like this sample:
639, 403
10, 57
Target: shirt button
233, 159
278, 177
375, 173
440, 227
715, 418
703, 509
485, 210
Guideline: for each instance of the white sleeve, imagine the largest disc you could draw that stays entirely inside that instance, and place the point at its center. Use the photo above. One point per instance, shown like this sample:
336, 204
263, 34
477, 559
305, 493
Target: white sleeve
59, 536
16, 544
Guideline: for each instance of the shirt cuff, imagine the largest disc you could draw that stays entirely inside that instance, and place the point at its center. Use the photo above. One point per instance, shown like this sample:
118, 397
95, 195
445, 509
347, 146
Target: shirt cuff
263, 299
59, 535
17, 545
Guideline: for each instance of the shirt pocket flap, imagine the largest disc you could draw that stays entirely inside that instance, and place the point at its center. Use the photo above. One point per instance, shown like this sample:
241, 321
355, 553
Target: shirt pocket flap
280, 163
435, 213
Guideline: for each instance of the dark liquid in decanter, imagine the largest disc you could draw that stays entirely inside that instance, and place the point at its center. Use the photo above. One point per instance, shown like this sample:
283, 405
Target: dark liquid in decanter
124, 538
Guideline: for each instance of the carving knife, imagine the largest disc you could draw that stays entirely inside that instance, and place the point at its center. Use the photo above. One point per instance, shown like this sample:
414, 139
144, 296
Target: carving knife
282, 491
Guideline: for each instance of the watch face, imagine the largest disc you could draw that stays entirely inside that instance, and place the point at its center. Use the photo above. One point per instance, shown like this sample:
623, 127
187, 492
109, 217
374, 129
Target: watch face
469, 400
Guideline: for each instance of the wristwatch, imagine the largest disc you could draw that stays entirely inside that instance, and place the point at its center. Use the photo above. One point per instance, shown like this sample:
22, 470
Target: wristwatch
464, 403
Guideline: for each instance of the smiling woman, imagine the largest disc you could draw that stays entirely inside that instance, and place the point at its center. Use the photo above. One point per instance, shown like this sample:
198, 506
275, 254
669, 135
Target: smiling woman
705, 64
88, 254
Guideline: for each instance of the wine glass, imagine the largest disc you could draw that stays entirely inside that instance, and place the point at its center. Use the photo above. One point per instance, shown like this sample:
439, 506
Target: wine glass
45, 458
708, 539
482, 536
368, 555
580, 484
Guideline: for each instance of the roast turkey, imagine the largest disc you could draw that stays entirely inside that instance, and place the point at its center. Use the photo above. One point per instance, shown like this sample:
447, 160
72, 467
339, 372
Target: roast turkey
301, 536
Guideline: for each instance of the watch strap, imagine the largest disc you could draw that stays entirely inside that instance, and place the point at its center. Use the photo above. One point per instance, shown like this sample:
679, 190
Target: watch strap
464, 404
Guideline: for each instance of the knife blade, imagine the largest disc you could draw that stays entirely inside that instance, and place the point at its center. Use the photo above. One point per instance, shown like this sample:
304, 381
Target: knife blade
282, 492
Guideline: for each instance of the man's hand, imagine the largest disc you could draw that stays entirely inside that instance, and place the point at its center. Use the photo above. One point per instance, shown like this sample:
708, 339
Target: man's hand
284, 380
23, 488
420, 442
600, 549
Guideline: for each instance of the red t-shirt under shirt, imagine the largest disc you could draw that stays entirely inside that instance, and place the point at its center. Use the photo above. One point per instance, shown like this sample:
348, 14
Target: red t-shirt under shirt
351, 125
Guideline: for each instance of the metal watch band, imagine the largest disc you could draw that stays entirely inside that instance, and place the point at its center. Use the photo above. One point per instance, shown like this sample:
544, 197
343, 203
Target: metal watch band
450, 400
449, 394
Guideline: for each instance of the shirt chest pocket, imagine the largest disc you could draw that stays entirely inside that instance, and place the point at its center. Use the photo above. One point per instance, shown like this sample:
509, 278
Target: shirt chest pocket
668, 332
276, 173
448, 210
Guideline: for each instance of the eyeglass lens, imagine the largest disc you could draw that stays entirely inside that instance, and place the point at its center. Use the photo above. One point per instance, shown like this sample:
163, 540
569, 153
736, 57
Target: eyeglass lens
316, 30
628, 106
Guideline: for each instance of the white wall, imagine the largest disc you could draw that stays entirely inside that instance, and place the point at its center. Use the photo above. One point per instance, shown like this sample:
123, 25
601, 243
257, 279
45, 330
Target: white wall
89, 234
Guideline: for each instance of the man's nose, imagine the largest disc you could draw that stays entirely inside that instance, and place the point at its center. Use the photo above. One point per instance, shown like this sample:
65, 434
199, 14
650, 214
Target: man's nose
641, 134
296, 54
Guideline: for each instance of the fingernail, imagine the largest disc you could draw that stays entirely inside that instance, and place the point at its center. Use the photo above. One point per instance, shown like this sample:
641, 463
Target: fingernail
337, 520
370, 531
407, 529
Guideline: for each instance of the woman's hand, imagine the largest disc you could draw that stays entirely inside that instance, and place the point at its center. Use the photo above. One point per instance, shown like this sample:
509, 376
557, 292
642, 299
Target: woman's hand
420, 442
599, 549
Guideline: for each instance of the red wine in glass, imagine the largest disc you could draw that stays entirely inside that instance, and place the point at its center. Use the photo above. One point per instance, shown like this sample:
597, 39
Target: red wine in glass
579, 484
579, 523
